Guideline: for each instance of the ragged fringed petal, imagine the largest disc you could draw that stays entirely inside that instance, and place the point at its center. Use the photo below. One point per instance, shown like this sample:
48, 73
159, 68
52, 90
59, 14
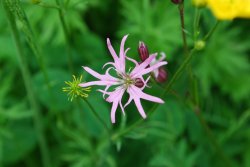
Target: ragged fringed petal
107, 77
145, 96
98, 83
139, 107
92, 72
116, 94
109, 63
104, 80
136, 94
113, 111
133, 96
122, 54
115, 97
150, 69
129, 100
142, 66
112, 51
133, 61
119, 62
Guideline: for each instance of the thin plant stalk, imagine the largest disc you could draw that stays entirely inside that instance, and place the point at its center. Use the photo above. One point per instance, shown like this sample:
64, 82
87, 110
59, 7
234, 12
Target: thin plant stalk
197, 17
29, 34
1, 152
209, 34
182, 20
28, 85
96, 114
66, 35
49, 6
212, 138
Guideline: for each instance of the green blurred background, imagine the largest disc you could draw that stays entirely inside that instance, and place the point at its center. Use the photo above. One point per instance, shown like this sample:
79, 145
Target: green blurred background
173, 136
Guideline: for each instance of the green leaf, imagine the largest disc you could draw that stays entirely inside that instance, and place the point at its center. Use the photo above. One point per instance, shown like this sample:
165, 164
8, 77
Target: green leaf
54, 97
21, 143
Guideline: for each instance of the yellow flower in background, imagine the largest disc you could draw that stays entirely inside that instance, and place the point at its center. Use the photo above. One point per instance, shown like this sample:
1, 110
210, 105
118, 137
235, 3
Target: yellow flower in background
227, 9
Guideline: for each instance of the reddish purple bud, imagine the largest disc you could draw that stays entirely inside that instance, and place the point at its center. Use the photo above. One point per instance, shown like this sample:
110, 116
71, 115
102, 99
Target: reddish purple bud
139, 83
162, 76
143, 51
177, 1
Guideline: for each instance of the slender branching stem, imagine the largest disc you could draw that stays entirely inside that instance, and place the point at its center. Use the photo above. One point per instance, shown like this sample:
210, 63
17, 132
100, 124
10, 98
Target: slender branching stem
45, 5
212, 138
66, 35
96, 114
209, 34
28, 85
197, 17
1, 152
31, 39
182, 20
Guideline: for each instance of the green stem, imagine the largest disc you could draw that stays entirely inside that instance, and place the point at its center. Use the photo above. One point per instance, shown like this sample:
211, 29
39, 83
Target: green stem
196, 109
1, 152
196, 24
212, 139
182, 19
209, 34
28, 85
166, 90
66, 35
29, 34
96, 114
49, 6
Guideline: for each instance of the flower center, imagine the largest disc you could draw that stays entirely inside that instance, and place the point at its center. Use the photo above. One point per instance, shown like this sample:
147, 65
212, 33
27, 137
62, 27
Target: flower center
127, 81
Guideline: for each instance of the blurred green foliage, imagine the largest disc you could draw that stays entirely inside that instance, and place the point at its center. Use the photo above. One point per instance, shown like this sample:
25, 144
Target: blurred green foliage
173, 137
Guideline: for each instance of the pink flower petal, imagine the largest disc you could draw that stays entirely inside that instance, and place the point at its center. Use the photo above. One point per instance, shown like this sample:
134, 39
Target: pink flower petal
122, 54
122, 108
150, 69
139, 107
133, 60
113, 111
92, 72
142, 66
108, 63
138, 92
129, 101
99, 83
112, 51
110, 79
115, 97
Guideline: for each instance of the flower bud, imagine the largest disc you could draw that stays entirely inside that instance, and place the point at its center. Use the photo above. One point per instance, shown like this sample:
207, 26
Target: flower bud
199, 45
177, 1
139, 83
199, 3
162, 76
35, 1
143, 51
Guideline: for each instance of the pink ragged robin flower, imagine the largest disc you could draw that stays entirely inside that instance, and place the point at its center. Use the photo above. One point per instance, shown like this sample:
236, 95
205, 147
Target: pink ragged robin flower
131, 82
160, 74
